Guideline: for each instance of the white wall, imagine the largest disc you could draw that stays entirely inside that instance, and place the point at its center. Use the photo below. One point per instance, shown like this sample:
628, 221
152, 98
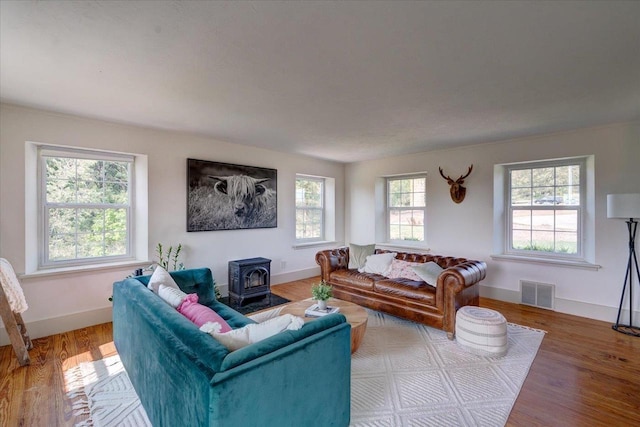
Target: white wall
65, 302
467, 229
69, 301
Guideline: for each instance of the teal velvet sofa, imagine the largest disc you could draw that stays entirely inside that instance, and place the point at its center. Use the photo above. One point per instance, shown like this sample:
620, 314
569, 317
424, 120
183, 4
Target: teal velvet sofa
185, 377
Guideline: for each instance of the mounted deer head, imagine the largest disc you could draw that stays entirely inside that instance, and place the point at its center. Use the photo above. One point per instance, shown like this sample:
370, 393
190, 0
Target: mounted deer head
457, 190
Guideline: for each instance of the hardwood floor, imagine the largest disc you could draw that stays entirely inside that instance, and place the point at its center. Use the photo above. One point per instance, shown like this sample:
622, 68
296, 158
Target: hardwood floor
585, 374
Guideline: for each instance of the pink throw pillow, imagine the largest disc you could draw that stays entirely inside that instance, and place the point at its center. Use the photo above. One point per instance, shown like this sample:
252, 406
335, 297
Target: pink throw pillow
200, 314
402, 269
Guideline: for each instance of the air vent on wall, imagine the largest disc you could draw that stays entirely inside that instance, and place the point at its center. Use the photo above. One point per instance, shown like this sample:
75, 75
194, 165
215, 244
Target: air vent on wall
537, 294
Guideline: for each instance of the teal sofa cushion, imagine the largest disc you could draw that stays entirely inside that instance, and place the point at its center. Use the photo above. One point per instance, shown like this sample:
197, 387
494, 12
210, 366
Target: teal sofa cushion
194, 281
185, 377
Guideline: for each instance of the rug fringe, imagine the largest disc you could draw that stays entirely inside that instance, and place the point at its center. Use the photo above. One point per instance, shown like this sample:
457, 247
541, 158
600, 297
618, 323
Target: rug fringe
527, 327
73, 378
80, 402
81, 405
72, 395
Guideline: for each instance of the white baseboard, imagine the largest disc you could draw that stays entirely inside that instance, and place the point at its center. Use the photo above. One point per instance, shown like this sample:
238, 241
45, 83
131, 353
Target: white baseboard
576, 308
57, 325
295, 275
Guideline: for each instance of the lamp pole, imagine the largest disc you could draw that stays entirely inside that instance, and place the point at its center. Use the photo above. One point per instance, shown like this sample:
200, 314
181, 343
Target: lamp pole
629, 329
627, 206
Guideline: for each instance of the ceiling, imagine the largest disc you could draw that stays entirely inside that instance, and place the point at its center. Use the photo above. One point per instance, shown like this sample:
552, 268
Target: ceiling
345, 81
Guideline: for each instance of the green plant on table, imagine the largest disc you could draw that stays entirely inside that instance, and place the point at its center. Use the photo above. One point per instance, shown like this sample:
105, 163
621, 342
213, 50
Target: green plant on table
321, 291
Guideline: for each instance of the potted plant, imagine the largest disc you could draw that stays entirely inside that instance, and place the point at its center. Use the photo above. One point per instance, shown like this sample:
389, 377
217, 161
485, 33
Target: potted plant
321, 292
165, 258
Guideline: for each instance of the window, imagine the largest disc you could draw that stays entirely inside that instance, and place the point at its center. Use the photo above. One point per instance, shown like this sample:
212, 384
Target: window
406, 208
545, 207
310, 208
85, 206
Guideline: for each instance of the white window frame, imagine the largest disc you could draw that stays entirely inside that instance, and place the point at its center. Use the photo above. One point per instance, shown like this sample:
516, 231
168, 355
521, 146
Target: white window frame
322, 209
44, 152
580, 208
501, 216
388, 209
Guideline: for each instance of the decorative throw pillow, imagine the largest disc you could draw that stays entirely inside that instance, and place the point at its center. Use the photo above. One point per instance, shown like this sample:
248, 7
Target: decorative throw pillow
429, 272
378, 264
402, 269
201, 314
358, 255
254, 332
172, 296
159, 277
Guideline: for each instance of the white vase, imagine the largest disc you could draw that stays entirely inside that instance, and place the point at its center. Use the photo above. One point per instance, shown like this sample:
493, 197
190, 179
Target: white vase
322, 304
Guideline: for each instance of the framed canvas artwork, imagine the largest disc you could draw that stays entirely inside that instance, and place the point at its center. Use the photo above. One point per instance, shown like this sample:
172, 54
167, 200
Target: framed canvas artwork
225, 196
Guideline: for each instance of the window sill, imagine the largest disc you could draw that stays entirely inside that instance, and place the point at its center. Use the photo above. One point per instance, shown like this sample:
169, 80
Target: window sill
403, 247
316, 244
547, 261
82, 269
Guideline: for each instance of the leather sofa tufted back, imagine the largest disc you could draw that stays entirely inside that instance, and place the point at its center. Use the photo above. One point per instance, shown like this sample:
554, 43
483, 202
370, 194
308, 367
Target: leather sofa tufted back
442, 261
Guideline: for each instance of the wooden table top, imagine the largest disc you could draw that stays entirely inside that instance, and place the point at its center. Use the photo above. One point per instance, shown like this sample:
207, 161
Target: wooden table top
356, 316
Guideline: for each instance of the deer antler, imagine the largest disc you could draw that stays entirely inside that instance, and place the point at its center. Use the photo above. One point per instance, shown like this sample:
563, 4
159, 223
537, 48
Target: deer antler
459, 180
457, 190
448, 179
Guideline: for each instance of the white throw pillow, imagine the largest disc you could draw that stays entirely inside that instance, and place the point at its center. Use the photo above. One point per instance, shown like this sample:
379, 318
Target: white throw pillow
254, 332
379, 263
429, 272
172, 296
159, 277
358, 254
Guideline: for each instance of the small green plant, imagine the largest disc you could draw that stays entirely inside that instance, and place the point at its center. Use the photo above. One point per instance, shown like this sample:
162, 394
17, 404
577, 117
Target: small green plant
168, 257
322, 291
216, 291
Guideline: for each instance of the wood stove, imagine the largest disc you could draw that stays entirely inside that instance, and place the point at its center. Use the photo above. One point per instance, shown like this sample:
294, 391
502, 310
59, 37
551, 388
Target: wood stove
249, 278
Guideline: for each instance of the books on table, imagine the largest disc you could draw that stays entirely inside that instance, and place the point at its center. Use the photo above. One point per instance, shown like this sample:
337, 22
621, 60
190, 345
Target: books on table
315, 311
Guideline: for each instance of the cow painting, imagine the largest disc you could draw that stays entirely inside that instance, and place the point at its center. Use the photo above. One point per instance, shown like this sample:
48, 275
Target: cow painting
224, 196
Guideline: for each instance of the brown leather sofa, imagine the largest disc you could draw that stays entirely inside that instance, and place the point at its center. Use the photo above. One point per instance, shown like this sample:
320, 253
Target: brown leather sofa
457, 286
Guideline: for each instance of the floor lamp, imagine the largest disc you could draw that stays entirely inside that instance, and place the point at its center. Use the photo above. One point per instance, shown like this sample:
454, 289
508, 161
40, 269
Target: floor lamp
627, 206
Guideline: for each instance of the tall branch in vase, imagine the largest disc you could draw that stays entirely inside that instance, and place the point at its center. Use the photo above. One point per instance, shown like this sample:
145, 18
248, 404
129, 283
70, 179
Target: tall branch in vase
168, 257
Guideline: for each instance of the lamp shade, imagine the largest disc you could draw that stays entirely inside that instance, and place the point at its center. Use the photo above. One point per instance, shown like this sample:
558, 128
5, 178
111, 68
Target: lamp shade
623, 205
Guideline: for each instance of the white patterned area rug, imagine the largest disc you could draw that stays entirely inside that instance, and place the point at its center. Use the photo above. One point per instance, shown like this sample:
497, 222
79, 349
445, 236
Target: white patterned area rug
403, 374
103, 390
408, 374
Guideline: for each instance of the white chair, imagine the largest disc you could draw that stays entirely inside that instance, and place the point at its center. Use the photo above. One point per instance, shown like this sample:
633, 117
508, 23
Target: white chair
12, 304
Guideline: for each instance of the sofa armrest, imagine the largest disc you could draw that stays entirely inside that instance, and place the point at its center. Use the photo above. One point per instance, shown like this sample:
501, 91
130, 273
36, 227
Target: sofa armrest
462, 275
456, 288
280, 340
274, 389
332, 259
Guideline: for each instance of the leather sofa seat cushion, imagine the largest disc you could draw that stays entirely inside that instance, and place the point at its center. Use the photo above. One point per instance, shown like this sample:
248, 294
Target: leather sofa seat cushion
406, 288
354, 278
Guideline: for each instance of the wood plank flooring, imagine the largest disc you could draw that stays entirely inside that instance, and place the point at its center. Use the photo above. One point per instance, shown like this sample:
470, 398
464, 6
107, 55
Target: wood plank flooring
585, 374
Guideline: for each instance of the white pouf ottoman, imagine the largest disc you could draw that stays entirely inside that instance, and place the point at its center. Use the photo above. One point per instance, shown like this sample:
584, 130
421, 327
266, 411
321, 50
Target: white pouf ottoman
481, 331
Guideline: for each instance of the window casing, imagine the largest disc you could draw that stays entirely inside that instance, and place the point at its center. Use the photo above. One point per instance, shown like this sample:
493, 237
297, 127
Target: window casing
406, 208
545, 208
86, 206
310, 209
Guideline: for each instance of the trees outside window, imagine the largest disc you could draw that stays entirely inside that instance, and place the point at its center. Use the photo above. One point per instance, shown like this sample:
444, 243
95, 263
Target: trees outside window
85, 206
406, 208
310, 209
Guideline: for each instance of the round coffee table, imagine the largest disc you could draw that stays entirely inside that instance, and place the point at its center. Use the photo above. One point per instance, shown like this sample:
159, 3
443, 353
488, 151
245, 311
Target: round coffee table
356, 316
